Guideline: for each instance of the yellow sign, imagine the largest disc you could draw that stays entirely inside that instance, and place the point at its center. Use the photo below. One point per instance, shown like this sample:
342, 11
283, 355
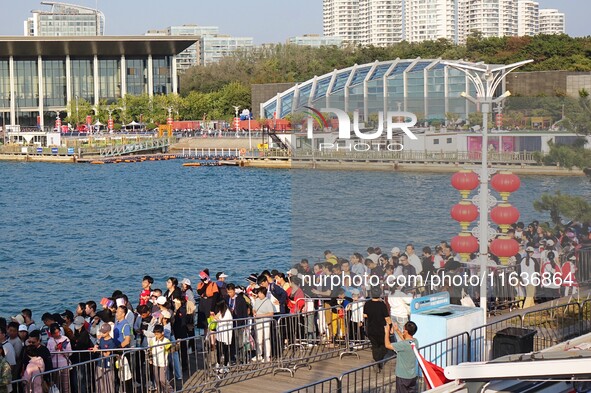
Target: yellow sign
263, 146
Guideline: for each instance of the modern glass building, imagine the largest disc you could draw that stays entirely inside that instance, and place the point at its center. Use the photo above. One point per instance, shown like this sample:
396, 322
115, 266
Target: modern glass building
41, 75
427, 88
65, 20
214, 48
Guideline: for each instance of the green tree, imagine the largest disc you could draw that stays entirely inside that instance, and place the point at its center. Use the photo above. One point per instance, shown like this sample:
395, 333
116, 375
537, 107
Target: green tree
78, 111
560, 206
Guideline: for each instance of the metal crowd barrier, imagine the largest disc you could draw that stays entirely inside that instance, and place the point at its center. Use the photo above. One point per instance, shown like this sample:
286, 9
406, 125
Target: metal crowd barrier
362, 379
328, 385
97, 375
450, 351
554, 324
482, 337
584, 265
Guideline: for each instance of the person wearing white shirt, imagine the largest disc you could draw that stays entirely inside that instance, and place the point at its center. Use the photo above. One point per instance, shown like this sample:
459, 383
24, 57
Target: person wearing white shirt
399, 307
160, 347
223, 333
263, 312
413, 258
355, 308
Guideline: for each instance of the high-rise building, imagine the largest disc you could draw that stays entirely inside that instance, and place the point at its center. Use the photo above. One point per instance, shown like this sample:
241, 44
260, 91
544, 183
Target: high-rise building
192, 55
214, 48
492, 18
431, 20
315, 40
340, 19
528, 18
380, 22
65, 20
552, 22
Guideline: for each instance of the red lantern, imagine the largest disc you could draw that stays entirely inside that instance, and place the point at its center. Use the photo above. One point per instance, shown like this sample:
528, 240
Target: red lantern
504, 247
505, 183
504, 215
465, 181
464, 244
464, 212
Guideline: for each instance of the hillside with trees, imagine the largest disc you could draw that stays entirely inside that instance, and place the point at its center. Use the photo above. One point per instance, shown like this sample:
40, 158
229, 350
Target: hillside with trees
291, 63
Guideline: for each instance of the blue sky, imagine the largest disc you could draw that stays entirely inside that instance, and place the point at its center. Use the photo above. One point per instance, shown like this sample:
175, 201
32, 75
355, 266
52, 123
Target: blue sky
265, 20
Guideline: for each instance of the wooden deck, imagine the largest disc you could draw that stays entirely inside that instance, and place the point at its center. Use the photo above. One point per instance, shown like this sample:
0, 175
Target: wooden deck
282, 381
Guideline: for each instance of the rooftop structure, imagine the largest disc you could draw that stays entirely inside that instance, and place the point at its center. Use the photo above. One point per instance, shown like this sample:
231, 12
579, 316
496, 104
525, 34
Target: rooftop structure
65, 19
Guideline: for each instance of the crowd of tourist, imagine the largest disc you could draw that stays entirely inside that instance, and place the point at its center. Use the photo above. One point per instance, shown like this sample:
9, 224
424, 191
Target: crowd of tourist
328, 310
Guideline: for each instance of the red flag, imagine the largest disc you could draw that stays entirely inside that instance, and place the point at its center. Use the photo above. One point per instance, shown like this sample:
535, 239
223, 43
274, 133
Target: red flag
433, 373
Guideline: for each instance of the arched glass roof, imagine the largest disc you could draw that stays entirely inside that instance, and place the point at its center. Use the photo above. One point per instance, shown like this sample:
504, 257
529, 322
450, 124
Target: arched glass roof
336, 82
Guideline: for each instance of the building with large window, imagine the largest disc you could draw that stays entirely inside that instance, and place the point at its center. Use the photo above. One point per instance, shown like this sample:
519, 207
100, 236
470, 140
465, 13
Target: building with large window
214, 48
192, 55
65, 20
427, 88
41, 75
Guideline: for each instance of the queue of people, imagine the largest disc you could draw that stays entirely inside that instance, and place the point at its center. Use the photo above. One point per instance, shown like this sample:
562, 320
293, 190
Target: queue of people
240, 317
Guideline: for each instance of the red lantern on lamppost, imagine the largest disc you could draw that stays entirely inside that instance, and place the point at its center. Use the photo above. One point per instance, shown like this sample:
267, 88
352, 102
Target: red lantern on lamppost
504, 247
504, 215
464, 244
465, 181
505, 183
464, 212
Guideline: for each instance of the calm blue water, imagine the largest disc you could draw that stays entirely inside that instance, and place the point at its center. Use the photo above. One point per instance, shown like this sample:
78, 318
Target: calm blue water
72, 233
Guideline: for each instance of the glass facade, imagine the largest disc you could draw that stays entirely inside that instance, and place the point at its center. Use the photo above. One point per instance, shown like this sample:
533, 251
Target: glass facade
35, 82
4, 83
83, 79
26, 83
109, 79
136, 76
54, 83
427, 88
162, 74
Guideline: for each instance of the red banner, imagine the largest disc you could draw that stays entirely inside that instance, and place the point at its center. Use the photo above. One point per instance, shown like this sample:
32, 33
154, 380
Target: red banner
88, 119
237, 123
58, 123
169, 121
110, 124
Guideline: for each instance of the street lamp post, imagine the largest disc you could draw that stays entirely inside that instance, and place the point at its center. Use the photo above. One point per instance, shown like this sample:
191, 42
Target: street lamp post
486, 79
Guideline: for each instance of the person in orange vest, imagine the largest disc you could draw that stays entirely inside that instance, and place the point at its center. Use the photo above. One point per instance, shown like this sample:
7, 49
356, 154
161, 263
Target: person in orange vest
209, 294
